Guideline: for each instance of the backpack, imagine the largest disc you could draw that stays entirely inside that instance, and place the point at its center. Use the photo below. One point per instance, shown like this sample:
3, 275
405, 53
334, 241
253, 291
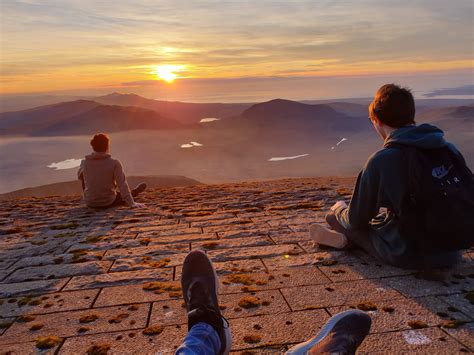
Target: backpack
437, 212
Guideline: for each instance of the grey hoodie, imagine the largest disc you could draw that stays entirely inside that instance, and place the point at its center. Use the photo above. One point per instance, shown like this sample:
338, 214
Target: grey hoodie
102, 175
381, 187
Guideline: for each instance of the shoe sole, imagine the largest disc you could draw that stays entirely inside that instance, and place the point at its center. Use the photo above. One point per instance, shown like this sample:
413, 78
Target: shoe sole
303, 348
325, 236
228, 334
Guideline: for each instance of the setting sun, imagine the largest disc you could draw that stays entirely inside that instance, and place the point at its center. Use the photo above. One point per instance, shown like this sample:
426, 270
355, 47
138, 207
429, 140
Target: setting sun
167, 72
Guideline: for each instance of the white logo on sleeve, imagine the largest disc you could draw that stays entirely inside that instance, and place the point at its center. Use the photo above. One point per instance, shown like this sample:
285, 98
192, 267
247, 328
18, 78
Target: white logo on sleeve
440, 172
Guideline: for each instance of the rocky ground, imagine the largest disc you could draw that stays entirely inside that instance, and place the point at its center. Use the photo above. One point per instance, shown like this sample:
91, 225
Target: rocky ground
75, 280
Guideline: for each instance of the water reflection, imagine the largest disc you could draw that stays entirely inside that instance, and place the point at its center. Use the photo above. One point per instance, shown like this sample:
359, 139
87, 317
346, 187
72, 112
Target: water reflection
209, 119
191, 145
287, 158
65, 164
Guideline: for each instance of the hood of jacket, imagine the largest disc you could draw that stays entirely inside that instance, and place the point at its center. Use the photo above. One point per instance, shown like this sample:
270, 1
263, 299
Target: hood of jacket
98, 156
422, 136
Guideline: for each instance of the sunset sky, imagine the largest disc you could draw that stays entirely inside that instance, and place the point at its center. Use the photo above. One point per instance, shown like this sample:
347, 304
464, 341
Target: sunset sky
311, 49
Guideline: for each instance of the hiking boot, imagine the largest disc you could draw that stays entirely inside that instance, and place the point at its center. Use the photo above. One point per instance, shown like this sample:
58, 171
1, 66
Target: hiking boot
139, 189
325, 236
342, 334
200, 285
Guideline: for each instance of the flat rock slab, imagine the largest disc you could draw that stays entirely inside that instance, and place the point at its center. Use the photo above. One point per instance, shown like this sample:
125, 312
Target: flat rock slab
128, 342
49, 303
66, 324
131, 294
119, 278
62, 262
319, 296
422, 341
272, 329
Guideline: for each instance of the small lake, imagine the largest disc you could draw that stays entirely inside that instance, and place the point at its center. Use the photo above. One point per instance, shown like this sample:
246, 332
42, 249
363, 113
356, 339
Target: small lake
288, 158
191, 145
209, 119
65, 164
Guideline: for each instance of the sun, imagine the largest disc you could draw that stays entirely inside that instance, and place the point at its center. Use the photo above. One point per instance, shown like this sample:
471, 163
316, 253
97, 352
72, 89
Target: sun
167, 72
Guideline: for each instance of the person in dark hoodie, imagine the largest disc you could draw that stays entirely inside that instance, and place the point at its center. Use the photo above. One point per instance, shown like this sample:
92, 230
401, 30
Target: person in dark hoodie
101, 175
370, 221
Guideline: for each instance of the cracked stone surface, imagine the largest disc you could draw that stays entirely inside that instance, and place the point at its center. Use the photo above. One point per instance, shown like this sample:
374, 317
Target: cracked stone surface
79, 274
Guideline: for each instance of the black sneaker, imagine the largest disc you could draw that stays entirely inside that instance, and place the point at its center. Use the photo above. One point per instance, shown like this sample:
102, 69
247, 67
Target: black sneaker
139, 189
342, 334
200, 285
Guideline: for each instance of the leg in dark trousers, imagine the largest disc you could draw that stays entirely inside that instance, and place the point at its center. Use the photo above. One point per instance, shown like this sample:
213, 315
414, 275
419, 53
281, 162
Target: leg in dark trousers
358, 237
138, 189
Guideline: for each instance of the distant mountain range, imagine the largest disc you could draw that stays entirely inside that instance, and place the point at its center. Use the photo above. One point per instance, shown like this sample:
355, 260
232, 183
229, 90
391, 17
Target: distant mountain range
126, 112
180, 111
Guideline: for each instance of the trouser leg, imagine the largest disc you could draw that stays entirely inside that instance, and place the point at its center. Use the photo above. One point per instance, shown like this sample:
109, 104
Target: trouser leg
201, 339
358, 237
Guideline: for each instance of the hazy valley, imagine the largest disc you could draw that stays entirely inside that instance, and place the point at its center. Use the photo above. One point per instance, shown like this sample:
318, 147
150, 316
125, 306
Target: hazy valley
151, 137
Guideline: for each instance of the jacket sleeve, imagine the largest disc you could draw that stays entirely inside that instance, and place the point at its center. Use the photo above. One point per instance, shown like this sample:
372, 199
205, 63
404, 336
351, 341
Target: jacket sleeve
121, 181
363, 206
80, 172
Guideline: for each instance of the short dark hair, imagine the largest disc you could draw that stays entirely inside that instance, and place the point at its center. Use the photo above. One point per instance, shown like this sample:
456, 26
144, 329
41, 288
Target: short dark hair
393, 106
100, 142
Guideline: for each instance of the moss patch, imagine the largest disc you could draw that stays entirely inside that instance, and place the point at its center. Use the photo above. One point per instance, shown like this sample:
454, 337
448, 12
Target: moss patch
37, 326
98, 349
160, 287
249, 302
89, 318
239, 279
153, 330
25, 318
453, 324
367, 306
210, 245
118, 318
47, 342
252, 338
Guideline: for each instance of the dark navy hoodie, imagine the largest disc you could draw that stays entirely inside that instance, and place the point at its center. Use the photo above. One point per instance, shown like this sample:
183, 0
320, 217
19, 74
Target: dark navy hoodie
378, 194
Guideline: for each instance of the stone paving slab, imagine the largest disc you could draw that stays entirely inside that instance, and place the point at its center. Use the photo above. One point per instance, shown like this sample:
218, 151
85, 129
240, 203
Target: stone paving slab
66, 324
319, 296
58, 271
118, 278
27, 348
128, 342
130, 294
277, 287
31, 287
49, 303
272, 329
422, 341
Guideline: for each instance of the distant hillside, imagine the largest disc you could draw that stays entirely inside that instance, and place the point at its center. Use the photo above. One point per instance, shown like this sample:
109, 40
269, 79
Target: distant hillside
448, 118
179, 111
81, 117
73, 188
109, 119
298, 116
29, 121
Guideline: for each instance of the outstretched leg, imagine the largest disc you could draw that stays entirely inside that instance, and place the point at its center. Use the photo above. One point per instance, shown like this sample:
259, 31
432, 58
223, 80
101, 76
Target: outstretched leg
138, 189
342, 334
208, 330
